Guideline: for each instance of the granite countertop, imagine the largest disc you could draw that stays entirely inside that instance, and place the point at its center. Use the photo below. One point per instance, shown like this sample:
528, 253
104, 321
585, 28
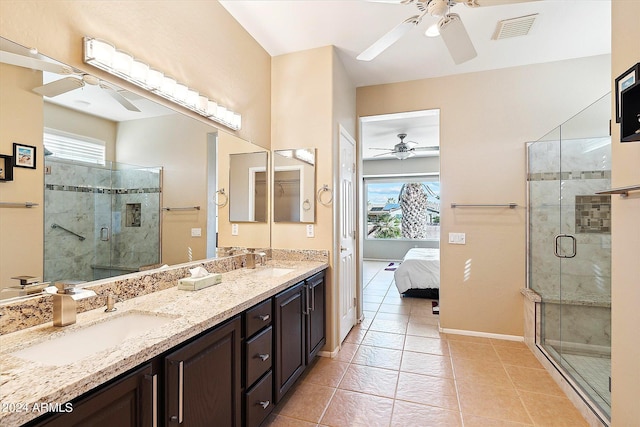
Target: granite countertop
23, 384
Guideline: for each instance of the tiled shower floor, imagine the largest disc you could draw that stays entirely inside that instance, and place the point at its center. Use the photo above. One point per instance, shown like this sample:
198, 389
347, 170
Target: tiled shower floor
397, 369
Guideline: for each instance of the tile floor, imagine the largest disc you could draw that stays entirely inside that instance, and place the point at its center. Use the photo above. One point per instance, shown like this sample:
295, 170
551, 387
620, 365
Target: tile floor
397, 369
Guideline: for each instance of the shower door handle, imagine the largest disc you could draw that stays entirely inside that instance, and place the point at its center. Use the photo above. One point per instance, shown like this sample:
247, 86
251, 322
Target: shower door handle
105, 235
557, 244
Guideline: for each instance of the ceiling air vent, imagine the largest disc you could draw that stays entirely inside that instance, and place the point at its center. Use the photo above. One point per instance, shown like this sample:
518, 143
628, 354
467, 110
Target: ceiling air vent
514, 27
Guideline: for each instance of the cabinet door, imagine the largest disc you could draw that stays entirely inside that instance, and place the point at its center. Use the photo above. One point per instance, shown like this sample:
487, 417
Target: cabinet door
316, 331
289, 339
128, 401
203, 380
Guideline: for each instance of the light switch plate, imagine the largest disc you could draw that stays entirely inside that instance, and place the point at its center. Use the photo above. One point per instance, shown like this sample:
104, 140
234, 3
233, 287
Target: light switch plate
457, 238
196, 232
234, 229
310, 230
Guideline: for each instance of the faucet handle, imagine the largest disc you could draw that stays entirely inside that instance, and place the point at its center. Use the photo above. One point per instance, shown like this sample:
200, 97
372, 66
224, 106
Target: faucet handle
111, 303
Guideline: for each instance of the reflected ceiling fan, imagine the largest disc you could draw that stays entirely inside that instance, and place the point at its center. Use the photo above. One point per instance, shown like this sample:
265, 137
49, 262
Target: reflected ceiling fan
450, 27
404, 149
74, 79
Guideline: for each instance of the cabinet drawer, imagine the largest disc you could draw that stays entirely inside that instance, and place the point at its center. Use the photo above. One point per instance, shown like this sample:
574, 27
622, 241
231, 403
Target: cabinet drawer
259, 355
257, 318
259, 401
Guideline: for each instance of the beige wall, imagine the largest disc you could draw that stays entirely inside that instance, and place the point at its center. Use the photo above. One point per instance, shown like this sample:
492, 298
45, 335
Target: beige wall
21, 243
625, 233
72, 121
485, 120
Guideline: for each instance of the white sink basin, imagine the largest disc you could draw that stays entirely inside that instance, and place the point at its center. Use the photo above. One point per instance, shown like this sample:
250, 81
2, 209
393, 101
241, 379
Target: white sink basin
79, 344
272, 271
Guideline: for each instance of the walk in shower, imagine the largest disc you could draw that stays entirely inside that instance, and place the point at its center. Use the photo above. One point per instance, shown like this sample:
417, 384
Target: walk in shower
99, 221
569, 253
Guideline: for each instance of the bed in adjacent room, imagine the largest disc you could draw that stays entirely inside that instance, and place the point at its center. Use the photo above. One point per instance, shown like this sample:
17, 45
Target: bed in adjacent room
419, 273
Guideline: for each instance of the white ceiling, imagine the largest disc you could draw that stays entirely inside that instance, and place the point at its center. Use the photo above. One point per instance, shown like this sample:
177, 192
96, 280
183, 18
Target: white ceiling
563, 29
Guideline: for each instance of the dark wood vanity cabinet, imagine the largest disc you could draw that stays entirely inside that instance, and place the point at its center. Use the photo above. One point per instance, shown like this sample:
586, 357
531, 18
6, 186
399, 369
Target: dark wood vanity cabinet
129, 401
202, 380
299, 322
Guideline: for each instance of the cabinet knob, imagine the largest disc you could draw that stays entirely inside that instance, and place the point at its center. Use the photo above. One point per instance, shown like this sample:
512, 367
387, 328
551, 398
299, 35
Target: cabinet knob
264, 403
264, 317
263, 357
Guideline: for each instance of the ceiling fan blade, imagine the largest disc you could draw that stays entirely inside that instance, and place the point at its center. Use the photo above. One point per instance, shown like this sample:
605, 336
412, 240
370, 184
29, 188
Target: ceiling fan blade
384, 154
456, 38
388, 39
435, 148
33, 63
121, 99
59, 87
374, 148
482, 3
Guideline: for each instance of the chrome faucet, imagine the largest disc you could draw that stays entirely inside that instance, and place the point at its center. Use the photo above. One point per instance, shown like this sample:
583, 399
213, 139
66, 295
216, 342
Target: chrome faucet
251, 258
64, 303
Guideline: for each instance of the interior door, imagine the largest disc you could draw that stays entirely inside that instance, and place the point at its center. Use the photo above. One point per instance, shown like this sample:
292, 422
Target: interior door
347, 219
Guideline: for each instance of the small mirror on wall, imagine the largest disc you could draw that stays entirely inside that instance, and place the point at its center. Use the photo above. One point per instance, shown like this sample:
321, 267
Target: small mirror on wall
294, 184
248, 187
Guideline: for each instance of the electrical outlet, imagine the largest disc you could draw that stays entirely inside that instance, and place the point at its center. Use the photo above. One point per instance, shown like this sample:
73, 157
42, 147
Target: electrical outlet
234, 229
196, 232
310, 230
457, 238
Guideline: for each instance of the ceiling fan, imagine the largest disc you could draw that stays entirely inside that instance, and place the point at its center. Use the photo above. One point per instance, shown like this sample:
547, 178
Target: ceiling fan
74, 80
404, 149
450, 27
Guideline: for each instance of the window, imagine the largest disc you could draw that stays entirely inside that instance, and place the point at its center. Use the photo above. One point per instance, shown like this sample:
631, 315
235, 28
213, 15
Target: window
403, 209
68, 146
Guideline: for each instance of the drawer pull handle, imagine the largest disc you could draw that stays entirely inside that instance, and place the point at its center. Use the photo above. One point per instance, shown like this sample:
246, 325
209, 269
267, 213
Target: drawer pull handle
264, 403
263, 357
264, 317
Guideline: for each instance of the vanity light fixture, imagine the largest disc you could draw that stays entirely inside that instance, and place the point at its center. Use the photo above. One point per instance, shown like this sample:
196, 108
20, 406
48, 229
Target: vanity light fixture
105, 56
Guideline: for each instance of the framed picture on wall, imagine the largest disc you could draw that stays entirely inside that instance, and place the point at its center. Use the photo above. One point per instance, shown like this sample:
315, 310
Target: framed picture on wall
24, 156
6, 168
626, 80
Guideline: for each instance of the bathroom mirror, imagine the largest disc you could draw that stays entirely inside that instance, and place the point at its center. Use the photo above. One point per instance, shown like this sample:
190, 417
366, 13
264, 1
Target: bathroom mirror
248, 187
179, 160
294, 185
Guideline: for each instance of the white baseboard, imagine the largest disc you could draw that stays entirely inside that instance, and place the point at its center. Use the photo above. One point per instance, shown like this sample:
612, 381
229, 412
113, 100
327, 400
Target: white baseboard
330, 354
482, 334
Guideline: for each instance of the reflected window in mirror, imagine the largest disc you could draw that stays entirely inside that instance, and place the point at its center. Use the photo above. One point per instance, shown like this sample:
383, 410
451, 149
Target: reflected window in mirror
294, 185
248, 187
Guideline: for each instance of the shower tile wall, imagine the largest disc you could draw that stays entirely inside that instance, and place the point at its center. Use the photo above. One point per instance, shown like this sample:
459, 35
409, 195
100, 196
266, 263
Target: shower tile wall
585, 279
87, 199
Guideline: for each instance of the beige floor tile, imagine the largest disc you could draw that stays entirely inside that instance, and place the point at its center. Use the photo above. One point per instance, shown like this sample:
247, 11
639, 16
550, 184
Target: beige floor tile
306, 402
392, 316
422, 330
532, 379
376, 299
508, 343
348, 408
432, 391
374, 291
407, 414
481, 372
518, 357
426, 364
384, 339
370, 380
426, 345
378, 356
472, 350
346, 353
275, 420
394, 299
391, 326
475, 421
356, 335
422, 310
457, 337
492, 402
425, 320
550, 411
370, 306
391, 308
325, 371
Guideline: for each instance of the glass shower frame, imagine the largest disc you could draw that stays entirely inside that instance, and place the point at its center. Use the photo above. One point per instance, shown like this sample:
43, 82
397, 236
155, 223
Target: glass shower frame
569, 249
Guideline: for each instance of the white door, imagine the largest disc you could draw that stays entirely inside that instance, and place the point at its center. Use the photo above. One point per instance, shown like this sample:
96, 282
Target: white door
347, 268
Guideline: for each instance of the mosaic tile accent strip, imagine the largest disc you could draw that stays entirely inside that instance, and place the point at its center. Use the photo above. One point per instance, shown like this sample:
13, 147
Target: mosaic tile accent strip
569, 175
593, 214
100, 190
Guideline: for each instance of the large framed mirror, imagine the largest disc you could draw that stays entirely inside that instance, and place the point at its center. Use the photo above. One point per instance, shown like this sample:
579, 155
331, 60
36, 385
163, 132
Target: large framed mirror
138, 192
294, 184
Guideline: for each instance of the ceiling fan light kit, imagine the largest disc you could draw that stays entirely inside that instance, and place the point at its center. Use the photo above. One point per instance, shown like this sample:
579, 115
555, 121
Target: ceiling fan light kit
105, 56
